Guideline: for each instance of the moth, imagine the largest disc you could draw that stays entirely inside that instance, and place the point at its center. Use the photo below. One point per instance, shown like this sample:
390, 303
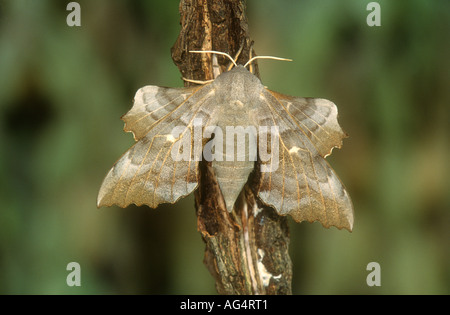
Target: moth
296, 180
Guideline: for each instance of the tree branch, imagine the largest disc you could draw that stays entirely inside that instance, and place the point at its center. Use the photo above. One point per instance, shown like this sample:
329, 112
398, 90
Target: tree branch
246, 250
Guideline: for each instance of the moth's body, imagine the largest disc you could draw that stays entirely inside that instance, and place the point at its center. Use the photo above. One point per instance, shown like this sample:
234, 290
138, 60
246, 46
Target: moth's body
303, 185
236, 108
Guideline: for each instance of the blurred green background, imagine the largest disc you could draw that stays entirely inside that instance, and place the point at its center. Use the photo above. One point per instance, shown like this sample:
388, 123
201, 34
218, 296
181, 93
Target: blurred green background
63, 90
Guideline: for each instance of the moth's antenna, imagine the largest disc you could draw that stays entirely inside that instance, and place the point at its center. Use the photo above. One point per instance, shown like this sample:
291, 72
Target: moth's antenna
265, 57
214, 52
237, 55
250, 53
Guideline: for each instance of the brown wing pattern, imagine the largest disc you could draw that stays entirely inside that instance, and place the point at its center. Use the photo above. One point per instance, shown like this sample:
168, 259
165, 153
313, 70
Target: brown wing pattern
304, 185
151, 105
317, 118
148, 173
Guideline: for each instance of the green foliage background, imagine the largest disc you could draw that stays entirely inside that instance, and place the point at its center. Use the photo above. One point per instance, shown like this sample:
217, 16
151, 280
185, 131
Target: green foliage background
63, 90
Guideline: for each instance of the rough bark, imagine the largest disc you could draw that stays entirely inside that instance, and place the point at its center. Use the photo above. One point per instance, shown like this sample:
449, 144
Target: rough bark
246, 250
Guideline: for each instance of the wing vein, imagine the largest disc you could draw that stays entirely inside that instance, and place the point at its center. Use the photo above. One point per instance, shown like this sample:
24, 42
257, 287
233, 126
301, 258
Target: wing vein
293, 165
188, 126
301, 126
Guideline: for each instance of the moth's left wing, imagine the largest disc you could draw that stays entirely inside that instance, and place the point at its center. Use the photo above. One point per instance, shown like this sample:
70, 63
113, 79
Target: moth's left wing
302, 183
153, 171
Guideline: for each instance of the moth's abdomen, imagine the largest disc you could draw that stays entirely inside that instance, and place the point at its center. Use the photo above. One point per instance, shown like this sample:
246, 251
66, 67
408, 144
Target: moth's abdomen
232, 176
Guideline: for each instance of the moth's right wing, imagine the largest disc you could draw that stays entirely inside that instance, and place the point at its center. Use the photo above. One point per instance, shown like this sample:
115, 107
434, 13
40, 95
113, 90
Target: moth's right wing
299, 181
316, 118
150, 172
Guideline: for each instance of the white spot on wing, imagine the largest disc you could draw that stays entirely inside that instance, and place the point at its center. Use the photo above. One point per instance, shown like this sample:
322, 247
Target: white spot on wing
239, 104
170, 138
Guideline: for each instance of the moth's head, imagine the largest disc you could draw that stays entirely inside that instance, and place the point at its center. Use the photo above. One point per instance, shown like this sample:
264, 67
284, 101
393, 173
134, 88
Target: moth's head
239, 70
238, 84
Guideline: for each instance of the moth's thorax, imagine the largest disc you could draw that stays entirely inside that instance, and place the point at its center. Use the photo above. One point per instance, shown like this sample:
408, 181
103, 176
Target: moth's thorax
238, 86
